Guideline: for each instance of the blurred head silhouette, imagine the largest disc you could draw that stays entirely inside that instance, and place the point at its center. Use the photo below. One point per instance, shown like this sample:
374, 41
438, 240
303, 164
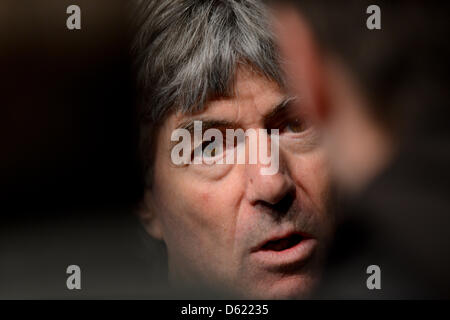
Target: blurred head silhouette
379, 96
369, 89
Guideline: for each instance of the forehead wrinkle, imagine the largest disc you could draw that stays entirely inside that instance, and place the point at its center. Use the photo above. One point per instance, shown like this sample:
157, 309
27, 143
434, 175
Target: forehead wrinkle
250, 89
213, 116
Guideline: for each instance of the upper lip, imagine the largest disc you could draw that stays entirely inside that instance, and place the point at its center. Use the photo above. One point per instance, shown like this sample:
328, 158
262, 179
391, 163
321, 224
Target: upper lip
280, 236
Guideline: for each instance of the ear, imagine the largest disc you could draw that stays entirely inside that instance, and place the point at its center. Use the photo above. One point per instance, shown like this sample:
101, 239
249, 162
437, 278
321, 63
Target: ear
302, 61
149, 217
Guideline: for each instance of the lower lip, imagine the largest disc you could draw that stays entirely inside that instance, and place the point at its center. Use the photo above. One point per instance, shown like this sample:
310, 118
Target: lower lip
297, 255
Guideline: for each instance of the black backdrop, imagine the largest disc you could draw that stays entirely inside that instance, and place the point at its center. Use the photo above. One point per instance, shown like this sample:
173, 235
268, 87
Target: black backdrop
69, 171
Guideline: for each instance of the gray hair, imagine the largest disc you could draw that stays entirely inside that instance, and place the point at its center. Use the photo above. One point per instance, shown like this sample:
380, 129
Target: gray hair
187, 52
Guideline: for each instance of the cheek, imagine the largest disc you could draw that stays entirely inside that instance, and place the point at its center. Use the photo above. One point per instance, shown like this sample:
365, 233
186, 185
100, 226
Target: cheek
310, 171
201, 210
199, 220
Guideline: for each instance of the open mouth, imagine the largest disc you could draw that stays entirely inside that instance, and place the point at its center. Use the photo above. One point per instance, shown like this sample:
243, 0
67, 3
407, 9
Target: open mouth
285, 252
283, 243
291, 250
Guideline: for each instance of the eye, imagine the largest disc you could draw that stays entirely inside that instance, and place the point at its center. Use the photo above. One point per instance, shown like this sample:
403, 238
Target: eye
202, 147
208, 149
296, 125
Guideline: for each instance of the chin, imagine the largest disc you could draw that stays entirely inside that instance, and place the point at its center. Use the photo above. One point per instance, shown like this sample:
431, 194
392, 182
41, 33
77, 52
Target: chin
285, 288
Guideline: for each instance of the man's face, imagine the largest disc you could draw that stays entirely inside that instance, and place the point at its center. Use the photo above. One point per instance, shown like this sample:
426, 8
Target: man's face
230, 227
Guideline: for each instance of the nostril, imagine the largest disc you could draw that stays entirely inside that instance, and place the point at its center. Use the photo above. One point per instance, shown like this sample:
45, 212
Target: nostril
285, 203
280, 207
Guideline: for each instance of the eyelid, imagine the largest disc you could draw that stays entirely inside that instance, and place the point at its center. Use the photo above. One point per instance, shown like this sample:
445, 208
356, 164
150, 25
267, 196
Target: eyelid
302, 141
299, 134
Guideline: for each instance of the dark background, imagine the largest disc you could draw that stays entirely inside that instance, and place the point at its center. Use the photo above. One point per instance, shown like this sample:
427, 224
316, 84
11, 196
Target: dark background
69, 171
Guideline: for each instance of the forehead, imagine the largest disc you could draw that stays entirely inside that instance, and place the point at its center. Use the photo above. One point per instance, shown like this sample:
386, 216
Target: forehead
254, 97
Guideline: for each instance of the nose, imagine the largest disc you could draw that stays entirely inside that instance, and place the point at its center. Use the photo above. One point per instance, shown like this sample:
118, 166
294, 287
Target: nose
273, 193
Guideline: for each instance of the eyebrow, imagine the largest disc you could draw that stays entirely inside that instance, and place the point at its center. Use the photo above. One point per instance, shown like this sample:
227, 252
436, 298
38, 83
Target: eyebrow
207, 124
280, 108
225, 124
